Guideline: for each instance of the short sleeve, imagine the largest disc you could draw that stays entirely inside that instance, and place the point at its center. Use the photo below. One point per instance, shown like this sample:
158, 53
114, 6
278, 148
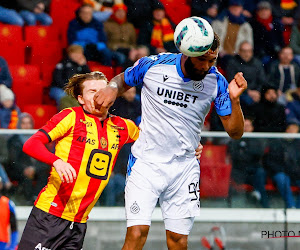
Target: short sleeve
222, 101
133, 131
59, 124
135, 75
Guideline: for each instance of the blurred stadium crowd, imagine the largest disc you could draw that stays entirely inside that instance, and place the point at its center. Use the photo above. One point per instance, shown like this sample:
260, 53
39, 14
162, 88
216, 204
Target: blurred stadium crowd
45, 42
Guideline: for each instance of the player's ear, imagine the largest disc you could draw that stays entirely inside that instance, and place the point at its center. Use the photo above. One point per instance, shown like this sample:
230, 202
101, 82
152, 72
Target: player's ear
80, 99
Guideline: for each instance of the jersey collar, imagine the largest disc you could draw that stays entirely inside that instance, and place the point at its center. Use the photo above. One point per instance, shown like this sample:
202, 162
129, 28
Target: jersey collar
179, 70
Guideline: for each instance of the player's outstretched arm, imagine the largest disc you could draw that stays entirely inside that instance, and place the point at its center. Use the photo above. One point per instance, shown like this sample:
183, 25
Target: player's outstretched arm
234, 123
106, 97
35, 147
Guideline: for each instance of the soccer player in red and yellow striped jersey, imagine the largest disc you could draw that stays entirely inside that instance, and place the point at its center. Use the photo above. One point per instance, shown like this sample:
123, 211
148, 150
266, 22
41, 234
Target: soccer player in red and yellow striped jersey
85, 154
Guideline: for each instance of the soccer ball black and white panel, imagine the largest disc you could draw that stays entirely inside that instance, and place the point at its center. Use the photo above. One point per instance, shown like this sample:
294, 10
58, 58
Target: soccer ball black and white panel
193, 36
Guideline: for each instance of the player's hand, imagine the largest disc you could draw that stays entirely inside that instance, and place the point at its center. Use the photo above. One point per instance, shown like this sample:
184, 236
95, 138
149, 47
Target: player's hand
65, 171
199, 151
104, 99
237, 86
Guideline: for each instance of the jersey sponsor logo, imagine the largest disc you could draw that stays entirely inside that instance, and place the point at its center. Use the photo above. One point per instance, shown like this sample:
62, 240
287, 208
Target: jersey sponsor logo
176, 95
98, 164
165, 77
40, 247
117, 127
53, 204
103, 142
115, 146
198, 86
86, 140
134, 208
88, 124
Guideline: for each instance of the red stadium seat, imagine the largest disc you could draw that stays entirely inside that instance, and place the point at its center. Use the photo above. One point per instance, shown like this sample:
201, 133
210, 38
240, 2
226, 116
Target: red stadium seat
48, 53
215, 172
213, 154
215, 180
24, 72
28, 92
10, 33
108, 71
37, 34
13, 52
47, 71
40, 113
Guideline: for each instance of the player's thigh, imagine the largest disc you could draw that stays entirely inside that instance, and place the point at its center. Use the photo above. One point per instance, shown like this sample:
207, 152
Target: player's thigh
75, 242
182, 198
41, 230
141, 195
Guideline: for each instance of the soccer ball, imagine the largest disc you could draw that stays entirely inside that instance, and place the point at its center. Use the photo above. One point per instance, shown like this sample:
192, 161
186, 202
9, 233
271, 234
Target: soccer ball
193, 36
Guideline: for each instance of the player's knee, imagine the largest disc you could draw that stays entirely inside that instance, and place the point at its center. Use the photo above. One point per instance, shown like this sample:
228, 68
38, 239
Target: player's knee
177, 241
138, 232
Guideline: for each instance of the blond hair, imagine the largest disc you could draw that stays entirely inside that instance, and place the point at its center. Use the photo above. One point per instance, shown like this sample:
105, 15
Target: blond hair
75, 85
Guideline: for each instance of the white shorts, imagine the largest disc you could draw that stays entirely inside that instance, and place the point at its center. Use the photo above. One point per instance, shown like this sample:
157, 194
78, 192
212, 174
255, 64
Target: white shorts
175, 185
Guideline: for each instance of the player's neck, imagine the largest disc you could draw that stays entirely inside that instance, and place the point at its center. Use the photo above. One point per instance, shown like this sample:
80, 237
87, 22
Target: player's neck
182, 62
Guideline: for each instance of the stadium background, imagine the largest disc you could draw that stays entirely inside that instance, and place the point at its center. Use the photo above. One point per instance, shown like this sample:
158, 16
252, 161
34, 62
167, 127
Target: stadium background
32, 53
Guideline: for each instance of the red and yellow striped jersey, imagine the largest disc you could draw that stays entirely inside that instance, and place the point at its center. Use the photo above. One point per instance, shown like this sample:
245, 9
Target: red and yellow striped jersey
91, 147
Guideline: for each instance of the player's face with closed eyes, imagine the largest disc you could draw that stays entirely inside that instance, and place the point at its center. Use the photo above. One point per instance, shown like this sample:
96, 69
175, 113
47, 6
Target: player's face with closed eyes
198, 67
91, 87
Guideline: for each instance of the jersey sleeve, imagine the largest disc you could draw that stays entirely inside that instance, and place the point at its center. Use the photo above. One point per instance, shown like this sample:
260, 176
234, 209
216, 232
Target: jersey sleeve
59, 124
134, 75
222, 101
133, 131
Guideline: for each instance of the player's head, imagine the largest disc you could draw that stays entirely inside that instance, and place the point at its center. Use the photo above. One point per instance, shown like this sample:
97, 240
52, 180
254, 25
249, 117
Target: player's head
198, 67
83, 87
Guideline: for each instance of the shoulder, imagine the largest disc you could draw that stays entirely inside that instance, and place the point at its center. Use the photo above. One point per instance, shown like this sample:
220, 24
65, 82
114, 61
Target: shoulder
121, 122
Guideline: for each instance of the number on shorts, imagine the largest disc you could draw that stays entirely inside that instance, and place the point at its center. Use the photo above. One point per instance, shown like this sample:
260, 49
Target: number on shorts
193, 190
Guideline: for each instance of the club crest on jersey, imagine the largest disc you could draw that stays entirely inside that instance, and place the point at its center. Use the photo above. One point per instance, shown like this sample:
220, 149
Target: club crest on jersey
198, 86
134, 208
103, 142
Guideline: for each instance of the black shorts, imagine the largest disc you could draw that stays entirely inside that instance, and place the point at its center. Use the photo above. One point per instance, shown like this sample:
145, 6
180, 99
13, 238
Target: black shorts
46, 231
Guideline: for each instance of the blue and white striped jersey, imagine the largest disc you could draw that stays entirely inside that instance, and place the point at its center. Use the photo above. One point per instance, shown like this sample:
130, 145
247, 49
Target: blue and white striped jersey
173, 106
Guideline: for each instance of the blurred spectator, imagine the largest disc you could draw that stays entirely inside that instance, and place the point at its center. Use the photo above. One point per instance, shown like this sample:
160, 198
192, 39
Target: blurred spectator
282, 163
206, 9
8, 13
158, 34
5, 77
22, 168
86, 31
253, 72
269, 114
295, 42
233, 29
101, 13
292, 157
120, 33
5, 180
246, 155
33, 11
293, 107
129, 108
67, 101
268, 35
140, 11
284, 74
74, 63
8, 223
135, 54
285, 10
9, 111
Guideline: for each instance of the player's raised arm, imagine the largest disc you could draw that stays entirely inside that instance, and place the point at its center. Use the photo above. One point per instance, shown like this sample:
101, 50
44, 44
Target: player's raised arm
234, 123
